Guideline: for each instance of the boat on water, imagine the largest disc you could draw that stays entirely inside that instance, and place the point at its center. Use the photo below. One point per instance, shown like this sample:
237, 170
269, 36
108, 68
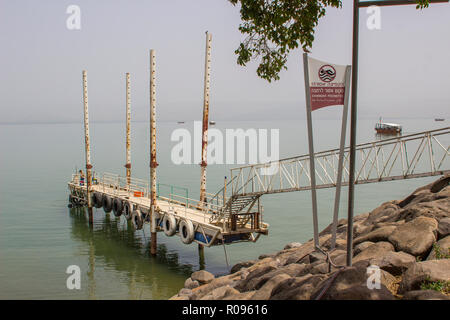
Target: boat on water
388, 128
212, 122
180, 122
439, 119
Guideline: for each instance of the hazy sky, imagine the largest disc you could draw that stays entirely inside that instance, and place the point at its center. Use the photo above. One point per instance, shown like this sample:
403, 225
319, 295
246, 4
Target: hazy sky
404, 67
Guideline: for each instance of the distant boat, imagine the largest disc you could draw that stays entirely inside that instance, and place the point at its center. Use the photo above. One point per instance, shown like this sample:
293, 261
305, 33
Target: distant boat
212, 122
439, 119
388, 128
180, 122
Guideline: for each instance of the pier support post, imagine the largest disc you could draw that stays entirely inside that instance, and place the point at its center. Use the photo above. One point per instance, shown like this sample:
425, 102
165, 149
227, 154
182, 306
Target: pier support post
128, 135
153, 163
87, 148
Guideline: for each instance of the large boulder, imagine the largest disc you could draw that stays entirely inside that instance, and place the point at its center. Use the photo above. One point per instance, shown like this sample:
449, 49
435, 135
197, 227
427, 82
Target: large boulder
255, 272
220, 293
361, 246
380, 234
241, 265
384, 212
231, 280
202, 276
443, 228
437, 209
440, 184
378, 249
299, 288
441, 249
191, 284
394, 262
265, 291
297, 254
425, 295
240, 296
425, 271
292, 245
255, 283
349, 283
415, 237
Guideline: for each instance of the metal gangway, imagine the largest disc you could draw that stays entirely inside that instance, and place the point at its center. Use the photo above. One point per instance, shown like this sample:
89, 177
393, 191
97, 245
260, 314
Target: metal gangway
404, 157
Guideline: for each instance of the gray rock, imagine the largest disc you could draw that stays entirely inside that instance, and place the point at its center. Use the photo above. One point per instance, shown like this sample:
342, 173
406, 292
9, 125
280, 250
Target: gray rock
240, 265
299, 288
317, 256
440, 184
425, 271
240, 296
265, 291
361, 246
220, 293
247, 284
383, 212
363, 229
202, 276
394, 262
185, 292
376, 250
349, 283
203, 290
444, 228
340, 244
191, 284
292, 245
380, 234
443, 248
263, 256
256, 283
437, 209
425, 295
359, 292
415, 237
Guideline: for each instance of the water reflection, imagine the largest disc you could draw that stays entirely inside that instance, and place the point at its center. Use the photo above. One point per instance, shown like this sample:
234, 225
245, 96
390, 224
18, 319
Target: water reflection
111, 244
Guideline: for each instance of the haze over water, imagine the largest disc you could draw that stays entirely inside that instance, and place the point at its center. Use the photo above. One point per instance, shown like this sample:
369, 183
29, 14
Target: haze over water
40, 237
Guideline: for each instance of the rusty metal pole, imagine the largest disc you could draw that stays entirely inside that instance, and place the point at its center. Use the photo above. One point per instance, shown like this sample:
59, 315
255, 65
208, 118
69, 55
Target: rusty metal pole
153, 163
205, 119
128, 135
203, 164
87, 147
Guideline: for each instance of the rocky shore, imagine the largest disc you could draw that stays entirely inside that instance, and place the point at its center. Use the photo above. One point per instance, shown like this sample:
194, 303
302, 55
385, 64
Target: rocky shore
408, 242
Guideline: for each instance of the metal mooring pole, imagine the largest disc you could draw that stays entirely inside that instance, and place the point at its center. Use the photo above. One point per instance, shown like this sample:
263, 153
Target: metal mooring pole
153, 163
87, 147
205, 134
128, 135
353, 118
205, 119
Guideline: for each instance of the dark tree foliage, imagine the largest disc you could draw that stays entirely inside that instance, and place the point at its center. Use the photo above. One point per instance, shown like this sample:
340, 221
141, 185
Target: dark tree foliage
274, 27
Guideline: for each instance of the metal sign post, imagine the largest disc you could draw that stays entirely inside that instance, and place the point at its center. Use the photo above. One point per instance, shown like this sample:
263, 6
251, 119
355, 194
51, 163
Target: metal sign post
326, 85
351, 188
311, 151
341, 158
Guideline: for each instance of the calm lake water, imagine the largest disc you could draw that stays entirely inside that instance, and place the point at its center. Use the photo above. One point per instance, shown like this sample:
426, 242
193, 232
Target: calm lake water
40, 236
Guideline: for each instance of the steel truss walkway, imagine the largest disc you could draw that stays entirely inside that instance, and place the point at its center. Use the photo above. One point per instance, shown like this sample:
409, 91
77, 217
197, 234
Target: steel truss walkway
412, 156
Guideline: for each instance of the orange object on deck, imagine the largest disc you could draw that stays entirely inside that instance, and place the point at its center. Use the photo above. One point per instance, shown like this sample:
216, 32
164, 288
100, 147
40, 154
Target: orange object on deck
138, 193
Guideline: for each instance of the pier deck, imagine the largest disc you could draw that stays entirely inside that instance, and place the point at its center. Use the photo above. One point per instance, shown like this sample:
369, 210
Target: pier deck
212, 226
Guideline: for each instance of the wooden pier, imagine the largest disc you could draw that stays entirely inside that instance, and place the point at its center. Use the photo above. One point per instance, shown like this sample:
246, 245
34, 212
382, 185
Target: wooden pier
174, 214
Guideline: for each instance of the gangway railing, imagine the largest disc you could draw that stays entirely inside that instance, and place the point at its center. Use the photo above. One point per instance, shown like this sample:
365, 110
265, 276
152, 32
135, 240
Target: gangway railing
404, 157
